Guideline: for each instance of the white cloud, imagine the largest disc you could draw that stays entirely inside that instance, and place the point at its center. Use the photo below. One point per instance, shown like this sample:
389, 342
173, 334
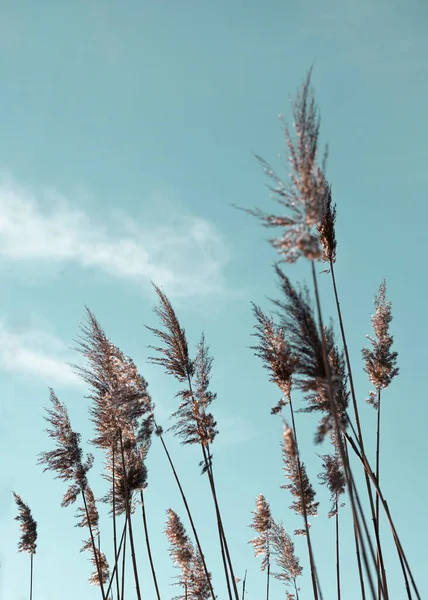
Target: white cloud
36, 354
185, 254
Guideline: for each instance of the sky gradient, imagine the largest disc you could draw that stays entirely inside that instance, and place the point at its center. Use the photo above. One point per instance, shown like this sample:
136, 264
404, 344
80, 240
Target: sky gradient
127, 131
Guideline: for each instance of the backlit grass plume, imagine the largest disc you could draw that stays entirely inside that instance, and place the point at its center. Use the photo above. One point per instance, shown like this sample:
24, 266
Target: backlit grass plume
302, 491
327, 229
304, 196
380, 365
89, 517
333, 477
262, 524
121, 401
276, 355
122, 412
193, 578
282, 551
318, 401
194, 424
135, 472
66, 460
380, 361
306, 344
28, 540
174, 354
28, 526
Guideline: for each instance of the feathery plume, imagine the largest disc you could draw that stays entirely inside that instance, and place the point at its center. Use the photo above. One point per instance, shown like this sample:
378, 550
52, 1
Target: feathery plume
67, 458
262, 524
276, 355
89, 517
333, 477
306, 343
304, 197
303, 493
100, 557
121, 401
282, 550
319, 401
28, 527
380, 362
326, 227
135, 472
175, 352
194, 424
193, 577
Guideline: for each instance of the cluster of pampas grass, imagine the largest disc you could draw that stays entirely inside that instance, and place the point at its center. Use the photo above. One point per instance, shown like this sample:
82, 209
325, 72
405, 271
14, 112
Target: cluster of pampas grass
302, 356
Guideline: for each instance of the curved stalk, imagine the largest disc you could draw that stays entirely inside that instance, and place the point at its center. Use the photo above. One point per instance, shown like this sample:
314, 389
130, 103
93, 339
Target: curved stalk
114, 523
345, 462
115, 569
402, 556
359, 430
128, 515
305, 515
189, 514
93, 546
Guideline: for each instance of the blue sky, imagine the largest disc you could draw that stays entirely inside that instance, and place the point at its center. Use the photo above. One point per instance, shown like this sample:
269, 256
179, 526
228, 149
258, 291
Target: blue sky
127, 130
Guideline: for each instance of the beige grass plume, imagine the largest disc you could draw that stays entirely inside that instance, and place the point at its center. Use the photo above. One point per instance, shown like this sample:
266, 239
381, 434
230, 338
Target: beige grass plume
28, 526
380, 361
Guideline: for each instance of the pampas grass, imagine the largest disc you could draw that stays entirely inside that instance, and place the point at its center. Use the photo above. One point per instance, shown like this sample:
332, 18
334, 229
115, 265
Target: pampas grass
305, 360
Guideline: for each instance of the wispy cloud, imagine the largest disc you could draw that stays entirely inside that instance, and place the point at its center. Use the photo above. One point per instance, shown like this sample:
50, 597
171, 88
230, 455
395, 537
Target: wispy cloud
36, 354
186, 254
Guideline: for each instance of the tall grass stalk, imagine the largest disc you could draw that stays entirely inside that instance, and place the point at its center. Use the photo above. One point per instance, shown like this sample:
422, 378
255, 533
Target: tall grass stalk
403, 559
346, 464
328, 239
114, 524
116, 562
149, 550
94, 548
337, 550
159, 433
315, 582
28, 539
128, 516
